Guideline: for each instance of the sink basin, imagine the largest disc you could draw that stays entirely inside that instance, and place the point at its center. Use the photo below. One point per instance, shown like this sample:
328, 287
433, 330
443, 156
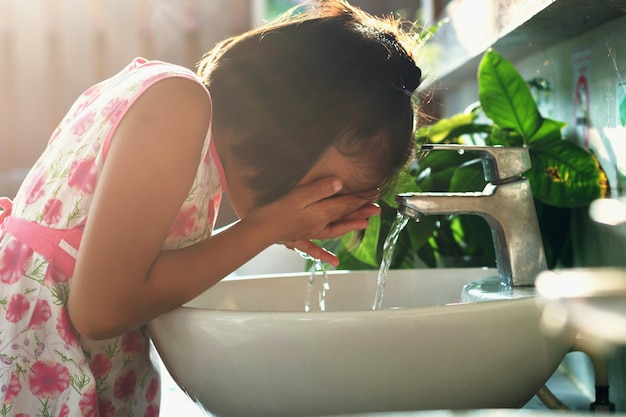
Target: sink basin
247, 348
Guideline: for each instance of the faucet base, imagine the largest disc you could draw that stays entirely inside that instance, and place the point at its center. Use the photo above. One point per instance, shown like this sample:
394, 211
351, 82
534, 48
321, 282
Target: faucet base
491, 289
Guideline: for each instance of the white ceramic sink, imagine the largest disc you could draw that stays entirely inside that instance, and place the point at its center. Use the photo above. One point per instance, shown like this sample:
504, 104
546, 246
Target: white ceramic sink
247, 348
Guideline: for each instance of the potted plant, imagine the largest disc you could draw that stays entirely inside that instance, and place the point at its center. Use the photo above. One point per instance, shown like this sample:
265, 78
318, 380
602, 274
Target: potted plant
563, 176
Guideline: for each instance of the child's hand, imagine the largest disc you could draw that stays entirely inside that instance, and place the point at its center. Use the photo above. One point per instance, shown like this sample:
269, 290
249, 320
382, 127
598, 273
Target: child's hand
315, 211
322, 254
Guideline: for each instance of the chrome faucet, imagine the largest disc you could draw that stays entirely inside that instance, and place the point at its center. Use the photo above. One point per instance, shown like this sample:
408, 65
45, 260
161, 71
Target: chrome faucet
506, 203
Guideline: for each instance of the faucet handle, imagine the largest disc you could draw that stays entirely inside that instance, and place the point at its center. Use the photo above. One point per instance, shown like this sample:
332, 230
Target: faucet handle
499, 163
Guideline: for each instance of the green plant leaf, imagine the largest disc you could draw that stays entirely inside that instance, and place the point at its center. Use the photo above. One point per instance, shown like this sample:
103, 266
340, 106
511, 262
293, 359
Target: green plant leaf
504, 137
353, 257
505, 96
446, 129
427, 33
478, 237
564, 174
420, 234
549, 129
436, 171
468, 177
365, 252
555, 224
353, 253
348, 262
405, 183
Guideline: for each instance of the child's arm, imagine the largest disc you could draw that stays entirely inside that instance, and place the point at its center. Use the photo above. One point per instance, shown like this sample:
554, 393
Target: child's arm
122, 278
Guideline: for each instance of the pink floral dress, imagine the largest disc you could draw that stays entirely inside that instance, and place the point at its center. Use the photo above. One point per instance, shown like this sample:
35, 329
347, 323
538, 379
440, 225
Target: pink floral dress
46, 368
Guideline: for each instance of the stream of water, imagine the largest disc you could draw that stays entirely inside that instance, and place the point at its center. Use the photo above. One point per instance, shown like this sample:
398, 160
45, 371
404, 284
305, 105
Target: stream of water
389, 246
318, 267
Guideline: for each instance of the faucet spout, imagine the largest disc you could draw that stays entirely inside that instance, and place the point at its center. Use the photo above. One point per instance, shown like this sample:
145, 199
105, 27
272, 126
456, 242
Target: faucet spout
509, 210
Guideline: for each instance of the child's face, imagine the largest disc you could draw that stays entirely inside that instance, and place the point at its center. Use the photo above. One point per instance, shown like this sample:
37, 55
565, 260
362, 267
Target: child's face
355, 177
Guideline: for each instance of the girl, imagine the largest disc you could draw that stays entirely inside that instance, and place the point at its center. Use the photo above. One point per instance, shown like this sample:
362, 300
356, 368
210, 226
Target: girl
302, 121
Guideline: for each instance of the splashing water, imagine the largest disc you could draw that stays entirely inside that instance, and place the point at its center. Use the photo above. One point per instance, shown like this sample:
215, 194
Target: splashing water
318, 267
388, 248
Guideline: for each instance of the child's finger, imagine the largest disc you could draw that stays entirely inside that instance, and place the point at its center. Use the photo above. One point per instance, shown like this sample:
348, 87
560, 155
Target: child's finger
369, 196
348, 207
314, 251
316, 191
367, 211
340, 228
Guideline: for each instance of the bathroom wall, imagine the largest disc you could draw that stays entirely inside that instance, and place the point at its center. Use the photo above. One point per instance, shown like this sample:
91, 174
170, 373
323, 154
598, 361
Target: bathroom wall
597, 56
594, 64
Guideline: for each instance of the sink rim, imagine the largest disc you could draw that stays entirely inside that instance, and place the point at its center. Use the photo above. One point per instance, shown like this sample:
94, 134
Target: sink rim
461, 276
380, 314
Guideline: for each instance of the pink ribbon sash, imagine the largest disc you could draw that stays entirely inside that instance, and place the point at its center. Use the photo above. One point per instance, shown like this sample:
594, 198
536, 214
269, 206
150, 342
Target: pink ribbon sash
58, 246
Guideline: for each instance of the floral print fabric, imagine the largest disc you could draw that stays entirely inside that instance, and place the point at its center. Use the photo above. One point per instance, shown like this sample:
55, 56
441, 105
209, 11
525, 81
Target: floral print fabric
46, 369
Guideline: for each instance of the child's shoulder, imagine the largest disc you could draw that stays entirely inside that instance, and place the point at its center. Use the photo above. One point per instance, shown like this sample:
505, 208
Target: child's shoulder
142, 64
145, 72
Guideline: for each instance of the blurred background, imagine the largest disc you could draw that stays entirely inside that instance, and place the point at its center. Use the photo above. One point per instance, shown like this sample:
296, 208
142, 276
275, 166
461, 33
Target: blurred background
52, 50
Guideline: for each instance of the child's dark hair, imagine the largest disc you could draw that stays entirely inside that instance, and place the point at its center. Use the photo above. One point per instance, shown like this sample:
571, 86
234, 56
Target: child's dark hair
331, 75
